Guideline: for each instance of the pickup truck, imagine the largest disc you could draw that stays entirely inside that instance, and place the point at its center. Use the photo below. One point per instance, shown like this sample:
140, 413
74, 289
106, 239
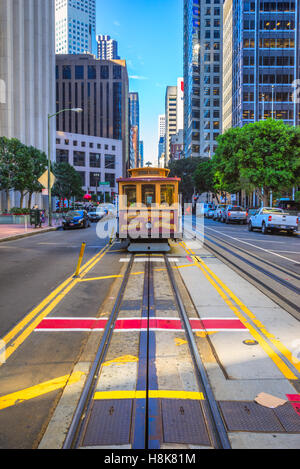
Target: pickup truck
273, 219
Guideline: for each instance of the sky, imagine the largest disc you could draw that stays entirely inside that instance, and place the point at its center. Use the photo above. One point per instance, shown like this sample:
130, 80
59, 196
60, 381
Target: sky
150, 39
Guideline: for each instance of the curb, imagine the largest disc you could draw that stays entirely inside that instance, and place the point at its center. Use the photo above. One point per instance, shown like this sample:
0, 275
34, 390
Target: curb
25, 235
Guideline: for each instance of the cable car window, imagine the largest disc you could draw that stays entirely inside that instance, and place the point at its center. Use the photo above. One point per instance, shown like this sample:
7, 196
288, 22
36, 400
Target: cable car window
148, 194
130, 192
167, 194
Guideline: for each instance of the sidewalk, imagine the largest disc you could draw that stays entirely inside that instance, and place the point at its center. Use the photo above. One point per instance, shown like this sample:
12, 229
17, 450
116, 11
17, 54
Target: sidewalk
11, 232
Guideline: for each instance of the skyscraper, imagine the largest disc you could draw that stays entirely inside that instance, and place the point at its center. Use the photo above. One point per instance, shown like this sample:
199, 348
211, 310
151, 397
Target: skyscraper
75, 26
134, 116
27, 74
202, 76
171, 119
100, 88
107, 48
261, 61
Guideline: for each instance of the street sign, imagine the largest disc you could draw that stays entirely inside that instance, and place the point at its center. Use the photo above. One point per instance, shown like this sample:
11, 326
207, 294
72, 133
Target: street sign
104, 183
44, 180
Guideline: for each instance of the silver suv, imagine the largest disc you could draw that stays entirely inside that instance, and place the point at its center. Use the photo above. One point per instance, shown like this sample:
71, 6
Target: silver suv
234, 213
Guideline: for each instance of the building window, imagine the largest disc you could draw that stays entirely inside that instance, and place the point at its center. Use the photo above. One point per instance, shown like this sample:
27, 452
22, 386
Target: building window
79, 72
79, 158
95, 160
104, 72
66, 72
117, 72
95, 178
110, 162
91, 72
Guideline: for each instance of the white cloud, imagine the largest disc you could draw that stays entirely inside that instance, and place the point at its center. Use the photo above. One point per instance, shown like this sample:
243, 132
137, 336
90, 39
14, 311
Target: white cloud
138, 77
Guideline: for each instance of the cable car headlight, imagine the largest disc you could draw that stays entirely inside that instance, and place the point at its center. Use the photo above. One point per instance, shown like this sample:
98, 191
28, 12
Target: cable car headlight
148, 226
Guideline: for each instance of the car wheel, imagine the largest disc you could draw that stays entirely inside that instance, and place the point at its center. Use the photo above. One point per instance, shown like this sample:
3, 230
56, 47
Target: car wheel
264, 229
250, 227
227, 221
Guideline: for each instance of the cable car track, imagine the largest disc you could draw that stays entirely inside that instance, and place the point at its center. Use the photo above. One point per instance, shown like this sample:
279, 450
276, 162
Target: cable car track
147, 415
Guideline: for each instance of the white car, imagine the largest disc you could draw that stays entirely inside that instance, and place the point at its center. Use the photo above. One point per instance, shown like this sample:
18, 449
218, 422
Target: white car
218, 211
273, 219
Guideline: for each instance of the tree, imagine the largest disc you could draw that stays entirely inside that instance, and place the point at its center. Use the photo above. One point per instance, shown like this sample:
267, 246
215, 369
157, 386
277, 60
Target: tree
204, 177
6, 168
264, 155
40, 163
24, 169
226, 160
184, 169
68, 182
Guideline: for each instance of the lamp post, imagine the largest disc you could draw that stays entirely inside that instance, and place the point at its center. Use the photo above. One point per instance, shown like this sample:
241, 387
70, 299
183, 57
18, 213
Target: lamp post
49, 157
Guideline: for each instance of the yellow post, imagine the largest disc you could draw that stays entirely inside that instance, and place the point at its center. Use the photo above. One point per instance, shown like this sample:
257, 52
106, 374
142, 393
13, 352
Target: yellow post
80, 259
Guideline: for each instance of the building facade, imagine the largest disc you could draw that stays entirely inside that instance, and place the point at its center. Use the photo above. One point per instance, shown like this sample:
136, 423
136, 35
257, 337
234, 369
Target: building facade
97, 160
174, 115
261, 61
176, 146
27, 75
141, 149
100, 88
171, 119
107, 48
75, 26
134, 116
202, 76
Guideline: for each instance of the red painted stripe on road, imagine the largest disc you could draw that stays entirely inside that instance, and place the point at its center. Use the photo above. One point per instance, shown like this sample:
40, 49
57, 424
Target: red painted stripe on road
139, 323
293, 397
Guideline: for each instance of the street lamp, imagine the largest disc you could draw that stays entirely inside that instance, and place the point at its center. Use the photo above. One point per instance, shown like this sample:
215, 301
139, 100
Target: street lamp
76, 109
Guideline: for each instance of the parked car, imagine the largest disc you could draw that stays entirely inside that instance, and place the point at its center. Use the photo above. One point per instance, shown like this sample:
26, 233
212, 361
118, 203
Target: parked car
218, 211
210, 212
251, 211
96, 216
273, 219
76, 219
234, 213
206, 208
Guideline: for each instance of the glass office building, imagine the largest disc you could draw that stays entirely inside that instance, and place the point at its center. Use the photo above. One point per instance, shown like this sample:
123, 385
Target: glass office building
202, 76
261, 61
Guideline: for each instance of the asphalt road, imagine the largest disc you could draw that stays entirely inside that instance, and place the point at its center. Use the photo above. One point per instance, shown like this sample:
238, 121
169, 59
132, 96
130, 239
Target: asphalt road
31, 268
279, 249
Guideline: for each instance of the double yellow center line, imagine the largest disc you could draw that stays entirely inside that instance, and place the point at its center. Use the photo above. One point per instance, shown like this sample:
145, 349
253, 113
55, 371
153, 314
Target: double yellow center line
31, 321
255, 327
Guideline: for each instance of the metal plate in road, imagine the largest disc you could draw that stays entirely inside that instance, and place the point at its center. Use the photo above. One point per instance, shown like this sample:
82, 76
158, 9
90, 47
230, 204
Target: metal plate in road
249, 417
183, 422
109, 423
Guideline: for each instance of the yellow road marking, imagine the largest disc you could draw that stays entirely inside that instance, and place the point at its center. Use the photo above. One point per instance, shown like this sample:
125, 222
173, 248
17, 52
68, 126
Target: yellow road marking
38, 390
122, 360
105, 277
151, 394
69, 284
285, 370
285, 352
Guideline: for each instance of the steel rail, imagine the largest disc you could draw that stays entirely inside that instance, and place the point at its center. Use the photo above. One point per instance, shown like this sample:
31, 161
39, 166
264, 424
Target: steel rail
273, 276
84, 404
215, 419
284, 301
263, 261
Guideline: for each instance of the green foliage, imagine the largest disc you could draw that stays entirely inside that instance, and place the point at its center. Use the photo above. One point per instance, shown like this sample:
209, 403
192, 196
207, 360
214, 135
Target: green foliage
20, 167
68, 182
204, 176
264, 155
184, 169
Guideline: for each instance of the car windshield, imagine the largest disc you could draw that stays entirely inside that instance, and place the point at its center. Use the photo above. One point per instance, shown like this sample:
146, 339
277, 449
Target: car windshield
74, 213
273, 210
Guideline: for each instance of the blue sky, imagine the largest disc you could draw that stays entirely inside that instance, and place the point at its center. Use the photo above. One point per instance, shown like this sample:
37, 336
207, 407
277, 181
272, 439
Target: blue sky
150, 38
